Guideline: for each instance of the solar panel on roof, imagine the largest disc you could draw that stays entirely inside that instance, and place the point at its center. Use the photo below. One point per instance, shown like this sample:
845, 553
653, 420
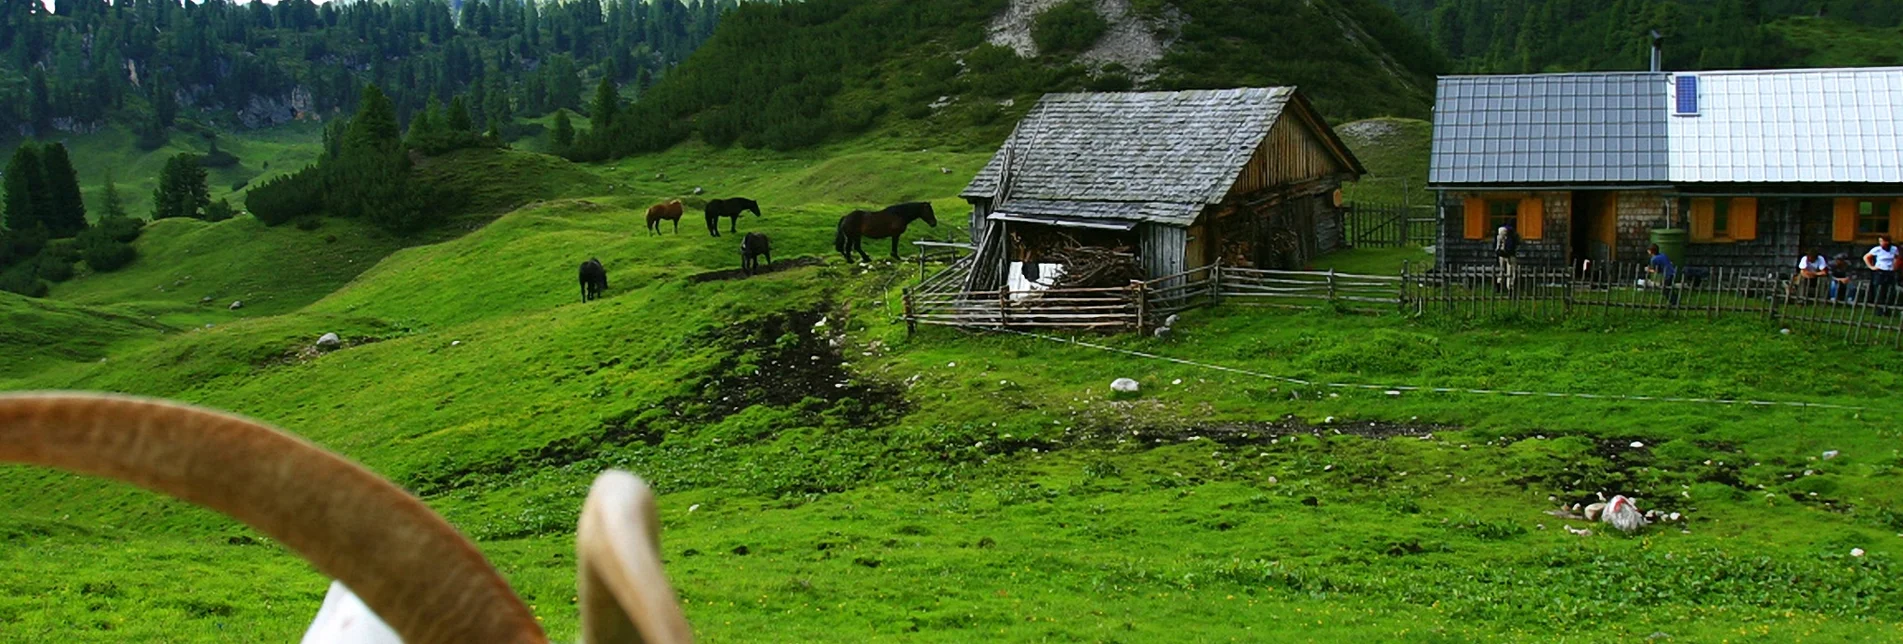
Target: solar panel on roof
1687, 96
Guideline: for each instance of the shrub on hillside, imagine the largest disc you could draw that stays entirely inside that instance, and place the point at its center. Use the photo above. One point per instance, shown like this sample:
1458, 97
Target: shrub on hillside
22, 280
1070, 27
219, 210
105, 255
287, 197
18, 246
54, 268
216, 158
119, 229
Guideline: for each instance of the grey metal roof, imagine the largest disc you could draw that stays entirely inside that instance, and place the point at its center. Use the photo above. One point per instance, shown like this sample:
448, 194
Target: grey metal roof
1162, 212
1791, 126
1146, 147
1550, 128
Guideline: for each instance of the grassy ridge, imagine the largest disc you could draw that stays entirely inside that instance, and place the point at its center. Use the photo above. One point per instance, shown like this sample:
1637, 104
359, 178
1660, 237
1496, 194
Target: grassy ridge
952, 487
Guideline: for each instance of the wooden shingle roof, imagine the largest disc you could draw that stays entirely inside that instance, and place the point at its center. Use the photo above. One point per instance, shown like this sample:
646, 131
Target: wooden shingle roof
1165, 154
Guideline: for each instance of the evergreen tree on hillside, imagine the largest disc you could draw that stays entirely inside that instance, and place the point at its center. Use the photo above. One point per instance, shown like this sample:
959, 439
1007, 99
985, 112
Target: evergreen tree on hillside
110, 207
564, 130
24, 178
602, 113
66, 214
181, 191
458, 119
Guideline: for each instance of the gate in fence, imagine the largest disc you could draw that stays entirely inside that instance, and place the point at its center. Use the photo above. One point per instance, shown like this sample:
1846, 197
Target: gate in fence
1374, 225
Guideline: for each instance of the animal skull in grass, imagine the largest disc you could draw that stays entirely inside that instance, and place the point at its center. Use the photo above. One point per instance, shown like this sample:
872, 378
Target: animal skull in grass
402, 573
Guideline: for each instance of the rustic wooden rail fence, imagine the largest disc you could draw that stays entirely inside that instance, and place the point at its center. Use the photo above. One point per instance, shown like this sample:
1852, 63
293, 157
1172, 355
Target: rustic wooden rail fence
1859, 315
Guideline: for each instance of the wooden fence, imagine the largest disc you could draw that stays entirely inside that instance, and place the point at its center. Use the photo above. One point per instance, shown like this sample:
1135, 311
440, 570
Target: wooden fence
1857, 316
1370, 225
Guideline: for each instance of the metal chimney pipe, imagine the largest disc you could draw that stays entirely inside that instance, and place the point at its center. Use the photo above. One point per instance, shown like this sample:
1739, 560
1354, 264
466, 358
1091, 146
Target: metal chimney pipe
1658, 51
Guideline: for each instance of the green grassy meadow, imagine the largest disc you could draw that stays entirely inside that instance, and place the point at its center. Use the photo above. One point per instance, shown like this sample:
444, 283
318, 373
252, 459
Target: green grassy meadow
825, 476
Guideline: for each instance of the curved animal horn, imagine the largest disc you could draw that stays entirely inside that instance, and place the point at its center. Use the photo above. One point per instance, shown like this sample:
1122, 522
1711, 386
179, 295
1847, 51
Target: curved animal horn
406, 563
624, 595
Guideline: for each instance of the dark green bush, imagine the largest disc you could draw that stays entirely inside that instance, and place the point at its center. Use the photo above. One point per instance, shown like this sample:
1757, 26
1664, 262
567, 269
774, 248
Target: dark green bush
22, 280
55, 268
287, 197
107, 256
1070, 27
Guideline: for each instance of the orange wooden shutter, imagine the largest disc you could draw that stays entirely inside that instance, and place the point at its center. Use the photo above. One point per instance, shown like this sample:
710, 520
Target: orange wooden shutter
1843, 226
1744, 218
1532, 217
1896, 219
1476, 218
1702, 219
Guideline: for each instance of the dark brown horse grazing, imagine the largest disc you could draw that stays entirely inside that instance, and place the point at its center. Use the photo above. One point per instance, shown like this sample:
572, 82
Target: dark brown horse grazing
731, 209
669, 210
594, 279
879, 224
752, 248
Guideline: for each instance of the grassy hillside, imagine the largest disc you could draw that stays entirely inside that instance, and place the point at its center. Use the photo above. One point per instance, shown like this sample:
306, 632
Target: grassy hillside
1395, 152
824, 477
39, 334
261, 154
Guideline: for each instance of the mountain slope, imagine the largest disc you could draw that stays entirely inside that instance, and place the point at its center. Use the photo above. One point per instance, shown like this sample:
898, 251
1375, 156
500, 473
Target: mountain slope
797, 74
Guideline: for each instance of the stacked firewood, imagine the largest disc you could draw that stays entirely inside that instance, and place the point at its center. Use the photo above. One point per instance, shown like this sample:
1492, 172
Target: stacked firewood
1094, 267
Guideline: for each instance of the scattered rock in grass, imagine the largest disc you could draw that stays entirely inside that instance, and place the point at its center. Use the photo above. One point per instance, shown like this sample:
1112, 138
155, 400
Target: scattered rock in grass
1830, 455
204, 300
693, 507
698, 190
742, 550
329, 341
1121, 385
1856, 552
1162, 333
455, 343
1311, 501
1637, 445
1584, 532
1171, 320
237, 304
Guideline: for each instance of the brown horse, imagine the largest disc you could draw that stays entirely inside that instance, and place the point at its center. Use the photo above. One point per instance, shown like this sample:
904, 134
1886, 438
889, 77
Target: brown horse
669, 210
879, 224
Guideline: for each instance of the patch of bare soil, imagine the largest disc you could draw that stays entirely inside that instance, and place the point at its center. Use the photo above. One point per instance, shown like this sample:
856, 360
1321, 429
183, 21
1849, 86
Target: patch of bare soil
735, 273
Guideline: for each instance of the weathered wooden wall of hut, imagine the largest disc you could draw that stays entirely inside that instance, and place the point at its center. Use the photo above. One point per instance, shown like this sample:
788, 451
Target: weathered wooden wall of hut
980, 209
1162, 249
1291, 154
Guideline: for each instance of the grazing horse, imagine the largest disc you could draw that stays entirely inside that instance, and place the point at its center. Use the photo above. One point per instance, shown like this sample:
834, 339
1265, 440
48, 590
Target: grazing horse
731, 209
879, 224
669, 210
752, 247
594, 279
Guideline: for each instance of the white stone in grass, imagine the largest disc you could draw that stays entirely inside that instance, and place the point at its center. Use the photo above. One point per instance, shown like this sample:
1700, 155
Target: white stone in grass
237, 304
1830, 455
1124, 385
1177, 381
693, 507
1637, 445
1856, 552
329, 341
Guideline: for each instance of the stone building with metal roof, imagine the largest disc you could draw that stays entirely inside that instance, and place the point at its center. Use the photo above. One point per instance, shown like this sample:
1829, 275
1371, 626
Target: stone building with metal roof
1247, 176
1754, 167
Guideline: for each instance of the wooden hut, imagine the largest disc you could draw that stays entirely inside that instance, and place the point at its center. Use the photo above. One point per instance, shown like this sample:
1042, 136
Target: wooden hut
1248, 176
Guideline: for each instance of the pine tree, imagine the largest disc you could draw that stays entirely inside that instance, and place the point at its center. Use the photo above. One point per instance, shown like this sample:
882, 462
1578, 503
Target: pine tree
564, 130
23, 176
66, 214
110, 206
458, 119
602, 113
181, 191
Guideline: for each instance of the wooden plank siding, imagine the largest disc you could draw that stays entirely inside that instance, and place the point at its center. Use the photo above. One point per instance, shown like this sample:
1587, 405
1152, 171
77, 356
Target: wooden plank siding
1163, 248
1291, 154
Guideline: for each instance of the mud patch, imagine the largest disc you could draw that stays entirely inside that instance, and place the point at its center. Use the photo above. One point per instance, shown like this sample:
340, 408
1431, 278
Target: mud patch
309, 352
1261, 432
734, 274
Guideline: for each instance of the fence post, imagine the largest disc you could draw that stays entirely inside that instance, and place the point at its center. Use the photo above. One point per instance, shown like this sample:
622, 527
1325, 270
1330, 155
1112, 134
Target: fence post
1004, 308
1215, 284
1142, 303
1773, 309
911, 316
1331, 286
1401, 300
921, 263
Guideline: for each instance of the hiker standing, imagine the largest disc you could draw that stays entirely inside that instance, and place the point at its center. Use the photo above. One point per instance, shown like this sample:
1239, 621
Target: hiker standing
1882, 262
1506, 244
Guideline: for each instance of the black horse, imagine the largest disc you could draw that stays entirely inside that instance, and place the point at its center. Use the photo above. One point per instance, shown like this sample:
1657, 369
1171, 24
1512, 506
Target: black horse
731, 209
594, 279
879, 224
752, 247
